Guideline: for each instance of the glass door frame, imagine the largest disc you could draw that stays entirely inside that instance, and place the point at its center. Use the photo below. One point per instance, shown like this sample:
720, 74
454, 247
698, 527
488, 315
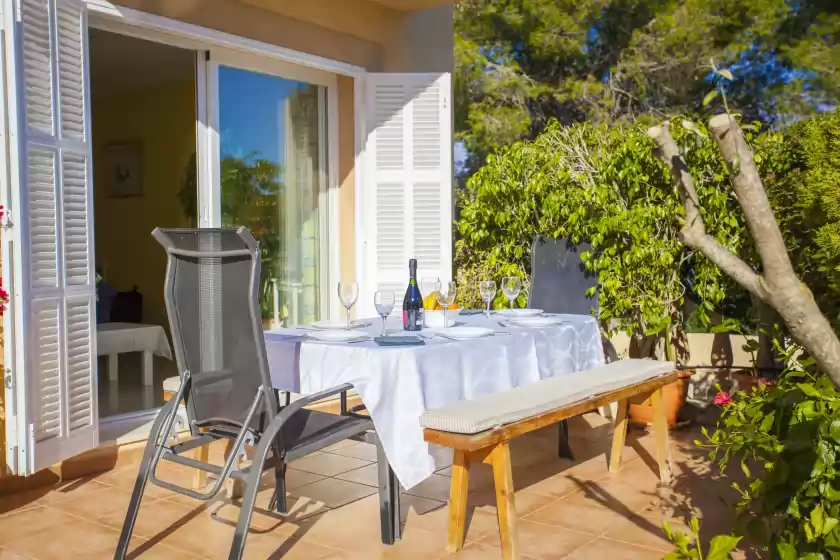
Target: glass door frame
209, 154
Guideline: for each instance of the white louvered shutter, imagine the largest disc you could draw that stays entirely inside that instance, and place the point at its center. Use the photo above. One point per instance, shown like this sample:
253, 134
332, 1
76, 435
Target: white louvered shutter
406, 193
50, 350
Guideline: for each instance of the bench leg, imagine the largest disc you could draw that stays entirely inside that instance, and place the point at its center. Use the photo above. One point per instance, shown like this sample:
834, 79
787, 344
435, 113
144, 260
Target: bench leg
564, 450
458, 501
660, 434
619, 435
505, 503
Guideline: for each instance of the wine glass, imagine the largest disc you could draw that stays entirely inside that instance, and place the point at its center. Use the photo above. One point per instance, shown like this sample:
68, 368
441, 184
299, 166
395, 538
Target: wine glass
428, 284
511, 286
445, 297
348, 293
384, 303
487, 289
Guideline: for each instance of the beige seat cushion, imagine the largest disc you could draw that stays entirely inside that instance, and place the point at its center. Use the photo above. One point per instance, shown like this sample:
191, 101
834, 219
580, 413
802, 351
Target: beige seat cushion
507, 407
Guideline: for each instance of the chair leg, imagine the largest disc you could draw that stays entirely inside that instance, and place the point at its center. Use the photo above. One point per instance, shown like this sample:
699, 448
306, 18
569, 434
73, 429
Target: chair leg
278, 499
147, 464
458, 501
660, 434
389, 499
505, 502
233, 487
564, 450
619, 436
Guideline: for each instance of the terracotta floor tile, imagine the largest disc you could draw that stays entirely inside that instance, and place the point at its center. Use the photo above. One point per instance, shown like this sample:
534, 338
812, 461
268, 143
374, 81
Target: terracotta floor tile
77, 538
643, 532
108, 502
436, 487
265, 521
416, 544
296, 478
154, 517
9, 554
20, 501
479, 522
288, 548
585, 518
201, 536
328, 464
360, 450
613, 550
352, 527
333, 492
546, 480
622, 498
73, 490
475, 551
526, 502
544, 541
369, 474
35, 522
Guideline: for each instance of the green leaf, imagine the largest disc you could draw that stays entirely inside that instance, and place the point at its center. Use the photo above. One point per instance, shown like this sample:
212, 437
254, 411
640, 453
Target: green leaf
786, 551
710, 97
812, 556
694, 523
829, 524
721, 546
673, 556
726, 74
736, 164
817, 519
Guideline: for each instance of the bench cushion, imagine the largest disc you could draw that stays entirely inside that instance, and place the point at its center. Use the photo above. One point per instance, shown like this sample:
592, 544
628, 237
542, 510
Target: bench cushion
507, 407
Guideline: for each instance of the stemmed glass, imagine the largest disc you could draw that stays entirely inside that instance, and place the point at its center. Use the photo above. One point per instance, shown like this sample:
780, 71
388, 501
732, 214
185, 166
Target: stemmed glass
428, 284
487, 289
384, 303
445, 297
348, 293
511, 286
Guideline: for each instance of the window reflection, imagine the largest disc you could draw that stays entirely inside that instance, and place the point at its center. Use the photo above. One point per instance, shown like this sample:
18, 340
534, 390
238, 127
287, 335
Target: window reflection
273, 174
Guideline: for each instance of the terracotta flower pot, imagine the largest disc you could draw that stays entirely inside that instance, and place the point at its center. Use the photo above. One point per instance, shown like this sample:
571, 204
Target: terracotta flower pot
746, 381
674, 397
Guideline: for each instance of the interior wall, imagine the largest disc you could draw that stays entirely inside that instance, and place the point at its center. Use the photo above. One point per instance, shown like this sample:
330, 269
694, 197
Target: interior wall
162, 120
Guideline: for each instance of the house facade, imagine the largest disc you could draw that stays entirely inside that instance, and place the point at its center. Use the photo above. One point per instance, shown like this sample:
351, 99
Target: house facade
350, 99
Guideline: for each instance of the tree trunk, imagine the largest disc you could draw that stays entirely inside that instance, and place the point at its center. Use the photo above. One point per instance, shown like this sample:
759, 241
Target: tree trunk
778, 286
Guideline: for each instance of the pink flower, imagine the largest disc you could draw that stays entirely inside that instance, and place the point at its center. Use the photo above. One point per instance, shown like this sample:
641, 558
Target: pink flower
723, 399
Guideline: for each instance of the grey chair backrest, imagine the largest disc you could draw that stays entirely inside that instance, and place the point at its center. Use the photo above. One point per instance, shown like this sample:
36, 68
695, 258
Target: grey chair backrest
559, 279
211, 295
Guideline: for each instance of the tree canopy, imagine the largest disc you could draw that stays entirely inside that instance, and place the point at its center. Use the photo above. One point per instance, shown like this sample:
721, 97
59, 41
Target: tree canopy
521, 62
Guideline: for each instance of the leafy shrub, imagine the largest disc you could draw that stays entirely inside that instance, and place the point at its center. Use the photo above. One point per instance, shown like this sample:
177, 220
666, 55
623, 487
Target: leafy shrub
602, 184
792, 433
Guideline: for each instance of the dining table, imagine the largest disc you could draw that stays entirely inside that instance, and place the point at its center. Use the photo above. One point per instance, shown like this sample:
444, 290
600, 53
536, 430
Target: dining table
397, 384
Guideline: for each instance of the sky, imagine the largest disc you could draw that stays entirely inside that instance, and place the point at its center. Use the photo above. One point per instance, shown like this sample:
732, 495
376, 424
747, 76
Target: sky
250, 113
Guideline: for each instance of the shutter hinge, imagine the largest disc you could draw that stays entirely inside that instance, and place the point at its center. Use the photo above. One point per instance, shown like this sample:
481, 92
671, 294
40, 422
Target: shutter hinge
7, 378
7, 223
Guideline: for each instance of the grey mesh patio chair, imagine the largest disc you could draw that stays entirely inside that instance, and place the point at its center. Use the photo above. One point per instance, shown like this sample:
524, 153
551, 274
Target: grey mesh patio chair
211, 295
559, 283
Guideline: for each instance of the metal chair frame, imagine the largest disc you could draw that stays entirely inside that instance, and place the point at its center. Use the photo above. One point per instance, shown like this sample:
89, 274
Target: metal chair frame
311, 430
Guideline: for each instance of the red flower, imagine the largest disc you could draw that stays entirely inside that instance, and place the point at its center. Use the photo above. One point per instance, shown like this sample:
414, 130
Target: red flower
723, 399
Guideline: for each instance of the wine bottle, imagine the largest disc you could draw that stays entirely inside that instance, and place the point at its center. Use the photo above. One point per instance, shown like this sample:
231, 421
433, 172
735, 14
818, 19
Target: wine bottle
413, 301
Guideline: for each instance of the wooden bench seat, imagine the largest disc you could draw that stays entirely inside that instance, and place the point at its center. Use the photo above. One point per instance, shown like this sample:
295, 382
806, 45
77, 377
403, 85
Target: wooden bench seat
479, 430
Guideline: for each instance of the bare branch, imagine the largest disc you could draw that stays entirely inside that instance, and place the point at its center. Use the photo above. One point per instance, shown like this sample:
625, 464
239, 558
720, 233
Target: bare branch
694, 231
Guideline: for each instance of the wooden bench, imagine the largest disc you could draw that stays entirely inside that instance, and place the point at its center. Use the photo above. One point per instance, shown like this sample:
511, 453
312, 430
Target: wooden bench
480, 430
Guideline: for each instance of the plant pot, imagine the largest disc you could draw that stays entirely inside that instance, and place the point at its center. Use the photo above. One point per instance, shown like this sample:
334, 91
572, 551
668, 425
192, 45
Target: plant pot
746, 381
674, 397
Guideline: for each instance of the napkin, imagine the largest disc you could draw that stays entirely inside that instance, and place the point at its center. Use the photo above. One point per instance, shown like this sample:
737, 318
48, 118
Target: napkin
399, 341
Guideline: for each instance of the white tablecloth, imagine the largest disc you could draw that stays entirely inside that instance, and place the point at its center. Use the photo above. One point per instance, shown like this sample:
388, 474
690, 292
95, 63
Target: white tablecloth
118, 338
398, 384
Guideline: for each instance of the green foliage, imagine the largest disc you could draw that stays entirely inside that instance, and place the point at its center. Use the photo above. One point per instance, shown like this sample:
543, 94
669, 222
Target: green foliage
804, 188
791, 433
602, 184
519, 63
720, 547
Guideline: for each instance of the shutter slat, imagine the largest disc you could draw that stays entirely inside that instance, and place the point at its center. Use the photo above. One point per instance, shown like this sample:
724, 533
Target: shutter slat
71, 68
47, 370
36, 65
76, 212
79, 352
41, 182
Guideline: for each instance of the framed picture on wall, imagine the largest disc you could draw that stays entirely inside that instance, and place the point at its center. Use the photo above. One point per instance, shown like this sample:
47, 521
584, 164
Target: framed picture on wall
125, 169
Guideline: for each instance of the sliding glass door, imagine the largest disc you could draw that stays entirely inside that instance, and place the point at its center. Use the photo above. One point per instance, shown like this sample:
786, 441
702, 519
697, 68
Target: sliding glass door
270, 132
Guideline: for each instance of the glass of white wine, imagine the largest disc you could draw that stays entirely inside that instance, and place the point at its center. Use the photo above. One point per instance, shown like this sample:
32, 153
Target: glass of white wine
446, 297
487, 290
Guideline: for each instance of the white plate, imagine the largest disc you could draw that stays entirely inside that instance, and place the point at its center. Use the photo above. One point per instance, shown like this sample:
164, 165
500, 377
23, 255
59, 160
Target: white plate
337, 325
338, 336
518, 313
536, 322
463, 332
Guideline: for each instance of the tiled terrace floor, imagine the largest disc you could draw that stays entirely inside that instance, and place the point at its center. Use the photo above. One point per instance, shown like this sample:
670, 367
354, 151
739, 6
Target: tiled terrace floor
567, 510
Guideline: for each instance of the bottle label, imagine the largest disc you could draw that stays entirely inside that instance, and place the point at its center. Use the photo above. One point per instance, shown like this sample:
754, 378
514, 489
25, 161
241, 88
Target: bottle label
412, 320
